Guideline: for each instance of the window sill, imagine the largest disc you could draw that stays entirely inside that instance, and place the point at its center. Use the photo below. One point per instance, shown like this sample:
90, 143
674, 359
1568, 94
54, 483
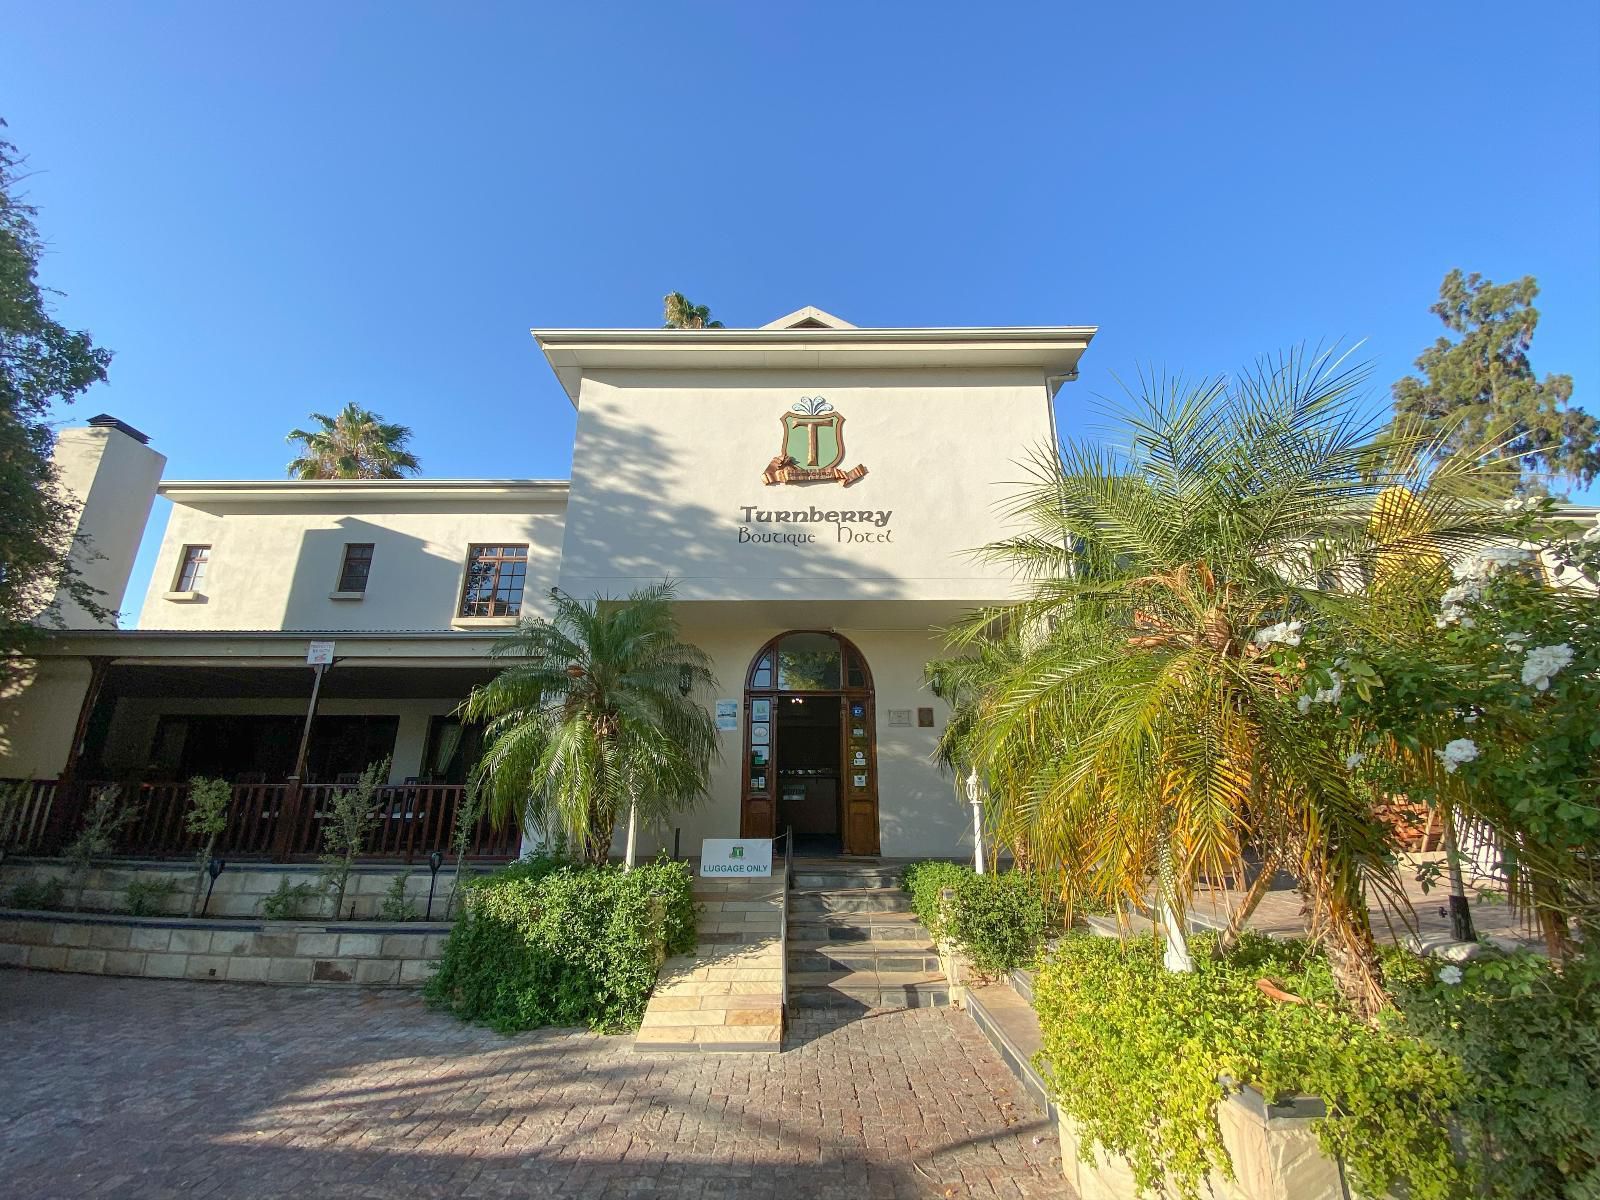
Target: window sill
182, 597
485, 622
347, 595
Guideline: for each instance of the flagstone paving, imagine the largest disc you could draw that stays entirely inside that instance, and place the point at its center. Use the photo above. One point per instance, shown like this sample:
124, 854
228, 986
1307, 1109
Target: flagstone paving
152, 1089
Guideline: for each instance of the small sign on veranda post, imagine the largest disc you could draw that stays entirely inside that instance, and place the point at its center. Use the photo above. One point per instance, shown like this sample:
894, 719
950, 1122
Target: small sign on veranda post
319, 654
736, 858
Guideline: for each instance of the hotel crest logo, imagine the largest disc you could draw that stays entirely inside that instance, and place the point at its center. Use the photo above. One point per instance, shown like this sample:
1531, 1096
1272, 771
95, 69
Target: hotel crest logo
813, 446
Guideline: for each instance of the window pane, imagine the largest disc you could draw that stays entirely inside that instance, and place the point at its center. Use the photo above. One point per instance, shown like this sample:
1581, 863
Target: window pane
808, 662
192, 571
357, 567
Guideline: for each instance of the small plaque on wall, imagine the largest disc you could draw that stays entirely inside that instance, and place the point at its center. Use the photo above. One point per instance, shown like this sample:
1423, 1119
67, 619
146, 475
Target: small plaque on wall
899, 716
924, 718
859, 781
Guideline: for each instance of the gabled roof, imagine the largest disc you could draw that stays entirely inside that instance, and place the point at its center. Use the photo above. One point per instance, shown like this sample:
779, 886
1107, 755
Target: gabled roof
808, 318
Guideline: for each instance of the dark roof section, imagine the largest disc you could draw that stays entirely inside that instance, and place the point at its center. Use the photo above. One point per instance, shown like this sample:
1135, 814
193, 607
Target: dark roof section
107, 421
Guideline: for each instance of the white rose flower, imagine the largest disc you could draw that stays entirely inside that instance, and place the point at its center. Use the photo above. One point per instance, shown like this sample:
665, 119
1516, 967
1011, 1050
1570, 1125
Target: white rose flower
1450, 975
1330, 695
1352, 761
1488, 562
1303, 704
1284, 633
1455, 753
1543, 662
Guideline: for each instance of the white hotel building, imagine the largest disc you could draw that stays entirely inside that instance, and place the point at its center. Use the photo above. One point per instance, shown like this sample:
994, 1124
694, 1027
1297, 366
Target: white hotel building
813, 489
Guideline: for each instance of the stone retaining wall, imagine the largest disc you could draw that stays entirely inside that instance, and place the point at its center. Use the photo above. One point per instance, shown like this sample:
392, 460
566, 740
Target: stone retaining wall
282, 952
240, 888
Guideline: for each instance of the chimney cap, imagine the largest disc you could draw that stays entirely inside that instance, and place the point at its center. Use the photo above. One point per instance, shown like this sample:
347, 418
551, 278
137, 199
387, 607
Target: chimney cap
107, 421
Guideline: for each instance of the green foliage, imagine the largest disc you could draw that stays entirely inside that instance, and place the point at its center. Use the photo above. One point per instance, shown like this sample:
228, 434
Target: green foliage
548, 942
207, 818
1481, 388
678, 313
42, 365
355, 444
39, 895
103, 822
597, 717
145, 897
1528, 1038
397, 906
1133, 1053
998, 920
290, 901
349, 818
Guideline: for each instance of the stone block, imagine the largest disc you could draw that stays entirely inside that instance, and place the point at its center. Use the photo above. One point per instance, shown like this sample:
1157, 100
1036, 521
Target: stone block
165, 966
13, 954
369, 884
109, 937
191, 941
47, 958
313, 945
377, 971
124, 962
433, 946
102, 901
403, 945
86, 962
326, 970
289, 970
654, 1017
260, 883
76, 936
680, 1037
275, 945
360, 945
248, 970
206, 966
414, 972
232, 941
149, 939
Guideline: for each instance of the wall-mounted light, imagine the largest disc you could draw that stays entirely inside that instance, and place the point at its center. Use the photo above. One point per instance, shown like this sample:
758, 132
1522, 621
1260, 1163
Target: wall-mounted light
685, 679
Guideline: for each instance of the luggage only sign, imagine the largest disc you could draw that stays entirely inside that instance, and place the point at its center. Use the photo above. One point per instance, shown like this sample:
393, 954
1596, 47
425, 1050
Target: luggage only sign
744, 858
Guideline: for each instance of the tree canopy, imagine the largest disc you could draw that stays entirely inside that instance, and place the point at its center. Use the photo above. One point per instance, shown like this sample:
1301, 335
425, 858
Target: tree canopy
1483, 383
42, 363
355, 444
678, 313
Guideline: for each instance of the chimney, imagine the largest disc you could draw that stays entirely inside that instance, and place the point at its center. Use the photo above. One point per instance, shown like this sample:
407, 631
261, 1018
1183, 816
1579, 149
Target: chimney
111, 473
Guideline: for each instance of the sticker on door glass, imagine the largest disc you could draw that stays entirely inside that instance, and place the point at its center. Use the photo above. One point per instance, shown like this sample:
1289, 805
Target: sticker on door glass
760, 710
859, 780
758, 735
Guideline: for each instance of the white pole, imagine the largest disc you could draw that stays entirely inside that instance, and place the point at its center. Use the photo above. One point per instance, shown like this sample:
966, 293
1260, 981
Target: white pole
633, 835
975, 795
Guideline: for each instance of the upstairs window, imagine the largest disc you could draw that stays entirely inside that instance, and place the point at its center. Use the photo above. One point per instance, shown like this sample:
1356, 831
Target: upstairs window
192, 568
357, 566
495, 575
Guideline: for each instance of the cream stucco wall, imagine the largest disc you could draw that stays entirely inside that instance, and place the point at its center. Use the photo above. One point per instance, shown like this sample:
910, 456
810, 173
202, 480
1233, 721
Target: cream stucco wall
112, 476
275, 562
38, 713
666, 464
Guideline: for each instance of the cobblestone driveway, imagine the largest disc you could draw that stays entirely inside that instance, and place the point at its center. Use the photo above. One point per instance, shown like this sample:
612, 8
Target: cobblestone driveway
144, 1088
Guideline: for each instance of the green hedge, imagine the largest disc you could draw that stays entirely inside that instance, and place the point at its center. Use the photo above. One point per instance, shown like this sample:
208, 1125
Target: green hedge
547, 942
998, 921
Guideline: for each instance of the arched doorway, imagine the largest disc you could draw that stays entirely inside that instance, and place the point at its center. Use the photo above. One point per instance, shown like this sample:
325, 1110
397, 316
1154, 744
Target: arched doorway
811, 756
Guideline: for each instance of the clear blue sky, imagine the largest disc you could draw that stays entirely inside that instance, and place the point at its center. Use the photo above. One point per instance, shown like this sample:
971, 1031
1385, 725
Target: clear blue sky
266, 210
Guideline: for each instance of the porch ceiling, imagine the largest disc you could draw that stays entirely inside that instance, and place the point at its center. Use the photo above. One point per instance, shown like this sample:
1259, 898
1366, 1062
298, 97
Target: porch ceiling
344, 681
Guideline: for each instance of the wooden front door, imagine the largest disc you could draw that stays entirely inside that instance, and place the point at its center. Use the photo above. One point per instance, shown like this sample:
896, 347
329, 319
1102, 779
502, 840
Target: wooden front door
813, 664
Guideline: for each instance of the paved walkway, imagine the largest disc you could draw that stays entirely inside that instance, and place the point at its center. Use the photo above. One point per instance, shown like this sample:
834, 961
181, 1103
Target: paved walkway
145, 1088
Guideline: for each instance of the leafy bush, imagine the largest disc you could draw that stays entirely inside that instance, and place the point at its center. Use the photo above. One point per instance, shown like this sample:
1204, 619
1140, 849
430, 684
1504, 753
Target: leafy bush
38, 895
1133, 1053
998, 920
1528, 1038
348, 819
207, 818
145, 896
396, 906
548, 942
289, 902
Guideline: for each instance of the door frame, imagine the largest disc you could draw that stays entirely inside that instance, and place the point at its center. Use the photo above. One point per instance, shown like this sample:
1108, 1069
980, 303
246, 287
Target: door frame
758, 806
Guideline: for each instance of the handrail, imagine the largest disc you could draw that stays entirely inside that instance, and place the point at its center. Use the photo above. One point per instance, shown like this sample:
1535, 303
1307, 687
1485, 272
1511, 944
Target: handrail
783, 919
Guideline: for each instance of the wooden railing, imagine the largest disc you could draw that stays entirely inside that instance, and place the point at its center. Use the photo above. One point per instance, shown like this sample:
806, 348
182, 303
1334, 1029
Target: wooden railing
280, 821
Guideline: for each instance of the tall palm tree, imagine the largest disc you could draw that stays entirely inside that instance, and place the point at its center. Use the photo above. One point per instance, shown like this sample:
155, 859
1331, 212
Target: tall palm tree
595, 717
678, 313
355, 444
1145, 735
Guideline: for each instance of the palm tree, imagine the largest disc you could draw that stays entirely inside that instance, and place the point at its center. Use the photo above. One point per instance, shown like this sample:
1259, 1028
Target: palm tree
595, 717
678, 313
1145, 736
355, 444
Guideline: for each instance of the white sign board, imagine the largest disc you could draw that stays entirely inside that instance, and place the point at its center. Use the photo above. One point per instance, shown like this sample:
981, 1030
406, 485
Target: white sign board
727, 714
735, 858
319, 654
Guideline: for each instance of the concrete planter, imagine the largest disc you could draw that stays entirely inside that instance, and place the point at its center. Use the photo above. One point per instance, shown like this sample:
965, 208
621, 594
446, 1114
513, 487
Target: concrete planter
1273, 1147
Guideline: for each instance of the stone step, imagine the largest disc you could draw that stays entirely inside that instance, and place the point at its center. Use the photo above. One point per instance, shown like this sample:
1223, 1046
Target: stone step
848, 900
894, 956
851, 877
867, 989
856, 927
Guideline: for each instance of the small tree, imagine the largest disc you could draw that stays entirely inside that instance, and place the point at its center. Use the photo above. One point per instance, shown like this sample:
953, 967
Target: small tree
107, 816
350, 818
207, 818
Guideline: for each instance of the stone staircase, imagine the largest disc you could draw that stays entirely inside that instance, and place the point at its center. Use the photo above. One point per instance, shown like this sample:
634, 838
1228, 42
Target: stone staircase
853, 941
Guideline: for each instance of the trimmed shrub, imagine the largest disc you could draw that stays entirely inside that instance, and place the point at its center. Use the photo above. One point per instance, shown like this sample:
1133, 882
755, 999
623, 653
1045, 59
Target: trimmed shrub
1133, 1053
148, 897
547, 942
998, 921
